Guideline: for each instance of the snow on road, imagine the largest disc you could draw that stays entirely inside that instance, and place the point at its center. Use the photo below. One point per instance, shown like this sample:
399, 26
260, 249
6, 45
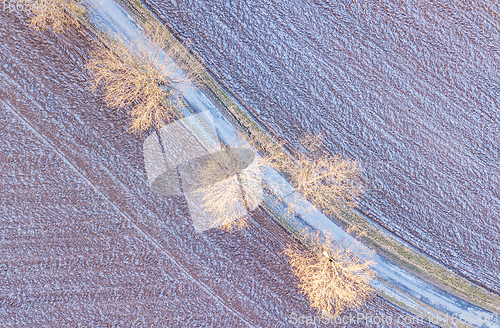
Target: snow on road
112, 16
83, 239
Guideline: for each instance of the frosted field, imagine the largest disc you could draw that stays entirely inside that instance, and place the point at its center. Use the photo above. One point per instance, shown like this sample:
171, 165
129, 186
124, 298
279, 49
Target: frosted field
84, 241
409, 89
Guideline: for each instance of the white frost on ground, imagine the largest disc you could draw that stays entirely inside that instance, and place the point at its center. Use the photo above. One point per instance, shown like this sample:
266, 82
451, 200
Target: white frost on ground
108, 16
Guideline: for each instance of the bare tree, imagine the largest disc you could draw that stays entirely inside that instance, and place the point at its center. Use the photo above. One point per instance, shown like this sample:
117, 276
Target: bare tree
324, 180
145, 76
231, 187
55, 14
333, 276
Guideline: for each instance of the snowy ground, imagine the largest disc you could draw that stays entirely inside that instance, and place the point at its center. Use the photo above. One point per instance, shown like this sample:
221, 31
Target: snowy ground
410, 89
108, 16
84, 241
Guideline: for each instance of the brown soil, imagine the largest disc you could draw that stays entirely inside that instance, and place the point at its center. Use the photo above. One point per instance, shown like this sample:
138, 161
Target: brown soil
408, 88
85, 243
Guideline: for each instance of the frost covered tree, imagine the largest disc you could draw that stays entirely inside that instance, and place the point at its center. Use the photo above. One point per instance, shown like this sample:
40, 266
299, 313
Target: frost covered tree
325, 180
144, 76
332, 276
56, 14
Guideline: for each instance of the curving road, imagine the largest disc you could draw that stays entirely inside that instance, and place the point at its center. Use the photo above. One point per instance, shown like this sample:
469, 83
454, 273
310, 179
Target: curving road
109, 15
83, 240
